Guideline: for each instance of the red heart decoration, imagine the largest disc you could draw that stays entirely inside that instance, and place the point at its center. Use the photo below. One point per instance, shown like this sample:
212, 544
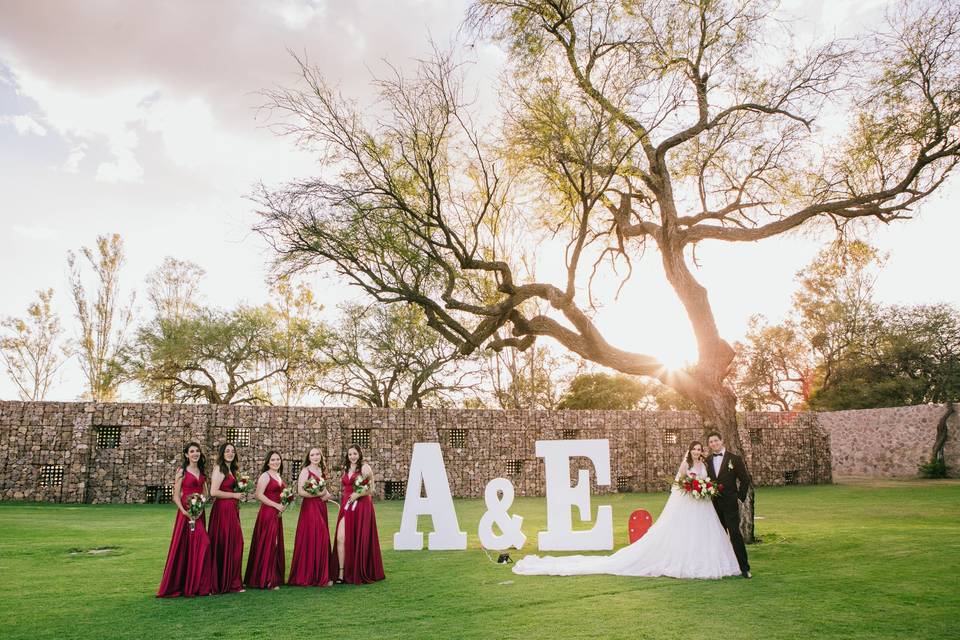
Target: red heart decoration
640, 521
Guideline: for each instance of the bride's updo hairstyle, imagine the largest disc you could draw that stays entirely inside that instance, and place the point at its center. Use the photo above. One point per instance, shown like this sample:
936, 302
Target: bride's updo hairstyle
690, 450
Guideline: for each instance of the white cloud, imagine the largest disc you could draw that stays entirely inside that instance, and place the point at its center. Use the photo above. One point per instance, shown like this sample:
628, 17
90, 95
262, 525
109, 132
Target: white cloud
24, 124
107, 117
297, 14
77, 154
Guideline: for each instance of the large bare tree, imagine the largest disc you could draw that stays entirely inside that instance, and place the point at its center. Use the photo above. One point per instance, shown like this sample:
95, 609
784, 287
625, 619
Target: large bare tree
627, 125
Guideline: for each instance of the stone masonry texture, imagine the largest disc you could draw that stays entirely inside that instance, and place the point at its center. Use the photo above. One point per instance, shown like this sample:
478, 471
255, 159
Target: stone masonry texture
141, 444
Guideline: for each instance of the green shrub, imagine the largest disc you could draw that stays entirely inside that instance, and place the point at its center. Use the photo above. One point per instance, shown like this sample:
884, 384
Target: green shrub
935, 469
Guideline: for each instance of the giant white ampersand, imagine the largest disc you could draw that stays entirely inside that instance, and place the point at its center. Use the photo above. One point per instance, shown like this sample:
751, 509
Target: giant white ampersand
511, 535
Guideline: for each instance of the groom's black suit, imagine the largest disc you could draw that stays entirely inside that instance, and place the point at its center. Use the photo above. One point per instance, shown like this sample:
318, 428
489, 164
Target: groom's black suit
736, 481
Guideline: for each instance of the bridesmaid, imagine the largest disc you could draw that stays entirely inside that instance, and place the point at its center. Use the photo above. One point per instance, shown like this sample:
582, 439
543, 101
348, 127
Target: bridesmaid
358, 546
313, 562
226, 536
265, 564
189, 569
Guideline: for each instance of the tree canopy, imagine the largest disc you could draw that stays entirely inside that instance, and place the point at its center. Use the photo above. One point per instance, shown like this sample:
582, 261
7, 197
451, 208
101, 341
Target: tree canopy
626, 125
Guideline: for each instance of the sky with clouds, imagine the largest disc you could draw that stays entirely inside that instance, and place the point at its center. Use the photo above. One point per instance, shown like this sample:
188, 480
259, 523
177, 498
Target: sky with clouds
142, 119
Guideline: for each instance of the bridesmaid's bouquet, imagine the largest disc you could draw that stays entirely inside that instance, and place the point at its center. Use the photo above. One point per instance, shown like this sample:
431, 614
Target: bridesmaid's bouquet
361, 487
195, 504
287, 495
698, 487
243, 484
314, 486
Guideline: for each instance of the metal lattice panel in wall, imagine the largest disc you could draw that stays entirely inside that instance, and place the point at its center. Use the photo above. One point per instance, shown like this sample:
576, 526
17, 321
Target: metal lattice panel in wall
671, 436
51, 475
514, 467
394, 490
108, 437
458, 438
569, 434
239, 436
159, 494
360, 437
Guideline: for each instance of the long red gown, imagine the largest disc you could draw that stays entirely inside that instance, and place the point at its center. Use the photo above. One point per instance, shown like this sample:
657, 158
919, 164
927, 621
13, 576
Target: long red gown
313, 563
265, 564
362, 562
226, 541
189, 568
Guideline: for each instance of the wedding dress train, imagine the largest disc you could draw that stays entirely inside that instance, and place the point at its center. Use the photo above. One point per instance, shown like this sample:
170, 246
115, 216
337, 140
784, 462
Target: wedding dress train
686, 541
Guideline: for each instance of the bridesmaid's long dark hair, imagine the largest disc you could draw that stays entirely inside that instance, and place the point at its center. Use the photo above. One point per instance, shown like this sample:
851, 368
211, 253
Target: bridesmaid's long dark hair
226, 469
323, 461
690, 455
185, 462
266, 463
346, 459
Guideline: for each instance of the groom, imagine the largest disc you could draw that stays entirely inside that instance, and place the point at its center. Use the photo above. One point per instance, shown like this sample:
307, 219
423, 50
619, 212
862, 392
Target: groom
727, 468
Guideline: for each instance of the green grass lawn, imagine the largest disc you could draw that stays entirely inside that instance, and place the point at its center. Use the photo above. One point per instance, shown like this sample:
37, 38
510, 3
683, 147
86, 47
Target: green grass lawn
863, 560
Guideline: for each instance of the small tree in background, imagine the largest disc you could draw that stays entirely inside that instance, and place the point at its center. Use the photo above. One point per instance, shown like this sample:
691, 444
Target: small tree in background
300, 335
209, 356
103, 317
173, 288
32, 348
385, 356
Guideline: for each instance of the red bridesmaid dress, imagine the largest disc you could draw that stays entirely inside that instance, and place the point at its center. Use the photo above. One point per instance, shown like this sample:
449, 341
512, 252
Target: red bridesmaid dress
189, 569
313, 563
226, 541
361, 558
265, 564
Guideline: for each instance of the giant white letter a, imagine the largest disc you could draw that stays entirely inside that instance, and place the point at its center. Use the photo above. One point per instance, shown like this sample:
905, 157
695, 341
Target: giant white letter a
428, 472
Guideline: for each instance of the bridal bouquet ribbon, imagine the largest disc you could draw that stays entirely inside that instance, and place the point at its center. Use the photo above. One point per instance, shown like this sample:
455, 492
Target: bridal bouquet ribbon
698, 487
287, 496
314, 486
195, 504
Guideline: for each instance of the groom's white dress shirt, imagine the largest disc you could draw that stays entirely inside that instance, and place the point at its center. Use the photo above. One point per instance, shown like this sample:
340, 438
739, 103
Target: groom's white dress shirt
717, 461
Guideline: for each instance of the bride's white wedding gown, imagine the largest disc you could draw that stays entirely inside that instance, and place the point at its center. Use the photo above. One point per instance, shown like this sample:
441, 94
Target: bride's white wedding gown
686, 541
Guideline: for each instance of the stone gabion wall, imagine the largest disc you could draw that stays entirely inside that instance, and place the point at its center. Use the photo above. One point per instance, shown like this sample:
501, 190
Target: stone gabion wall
478, 445
884, 443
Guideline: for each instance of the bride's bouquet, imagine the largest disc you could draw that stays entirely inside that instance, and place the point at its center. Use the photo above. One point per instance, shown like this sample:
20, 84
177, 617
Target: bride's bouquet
194, 507
314, 486
698, 487
287, 495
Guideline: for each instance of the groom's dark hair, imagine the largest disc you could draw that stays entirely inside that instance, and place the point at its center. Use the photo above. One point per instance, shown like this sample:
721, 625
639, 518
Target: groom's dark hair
714, 433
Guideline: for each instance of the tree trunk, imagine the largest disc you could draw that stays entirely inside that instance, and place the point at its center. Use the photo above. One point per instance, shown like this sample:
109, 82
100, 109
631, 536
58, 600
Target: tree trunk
941, 439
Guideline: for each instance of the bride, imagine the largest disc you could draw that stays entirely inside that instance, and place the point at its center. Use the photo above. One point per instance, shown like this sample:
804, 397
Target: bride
686, 541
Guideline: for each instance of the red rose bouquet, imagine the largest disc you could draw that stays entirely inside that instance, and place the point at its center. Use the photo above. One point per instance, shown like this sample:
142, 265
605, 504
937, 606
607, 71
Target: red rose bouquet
314, 486
698, 487
194, 507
